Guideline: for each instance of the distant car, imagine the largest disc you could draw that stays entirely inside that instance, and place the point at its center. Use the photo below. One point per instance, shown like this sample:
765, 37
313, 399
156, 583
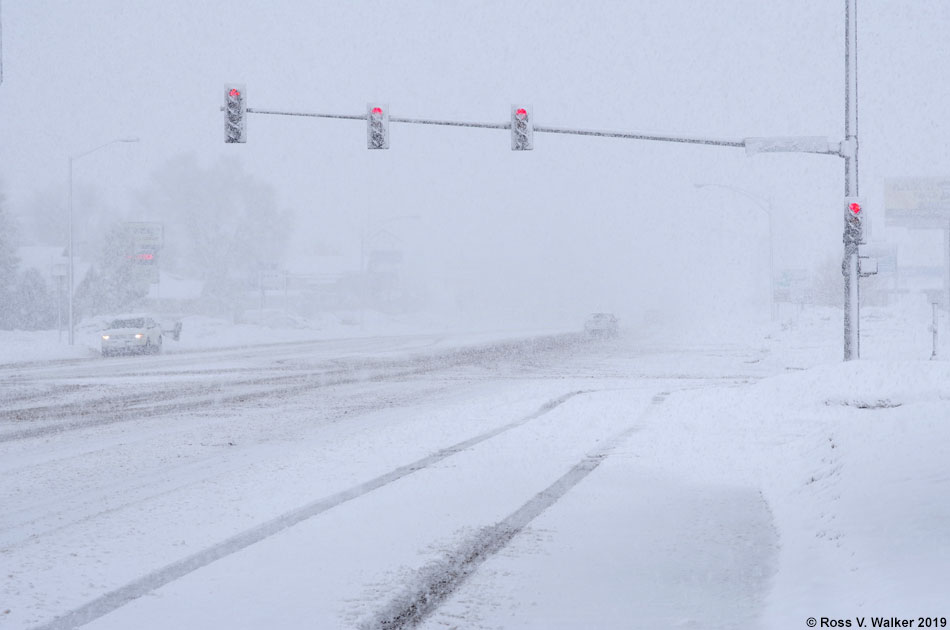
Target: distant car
602, 325
132, 334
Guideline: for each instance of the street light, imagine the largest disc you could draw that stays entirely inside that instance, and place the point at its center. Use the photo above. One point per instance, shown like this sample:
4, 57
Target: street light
73, 158
765, 205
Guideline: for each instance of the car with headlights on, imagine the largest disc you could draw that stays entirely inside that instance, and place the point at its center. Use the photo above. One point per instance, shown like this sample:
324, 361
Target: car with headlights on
602, 325
134, 334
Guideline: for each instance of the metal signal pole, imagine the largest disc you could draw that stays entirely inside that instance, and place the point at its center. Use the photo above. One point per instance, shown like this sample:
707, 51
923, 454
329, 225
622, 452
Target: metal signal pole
850, 263
846, 149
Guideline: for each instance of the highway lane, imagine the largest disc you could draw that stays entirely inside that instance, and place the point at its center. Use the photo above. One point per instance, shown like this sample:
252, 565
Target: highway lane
64, 396
108, 508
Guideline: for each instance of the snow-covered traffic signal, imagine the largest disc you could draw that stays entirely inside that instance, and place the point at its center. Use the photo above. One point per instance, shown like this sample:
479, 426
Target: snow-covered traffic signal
377, 126
235, 113
854, 217
522, 128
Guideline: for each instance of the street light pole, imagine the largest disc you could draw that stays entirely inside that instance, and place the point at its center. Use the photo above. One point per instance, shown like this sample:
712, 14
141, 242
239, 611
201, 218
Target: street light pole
765, 205
1, 44
70, 274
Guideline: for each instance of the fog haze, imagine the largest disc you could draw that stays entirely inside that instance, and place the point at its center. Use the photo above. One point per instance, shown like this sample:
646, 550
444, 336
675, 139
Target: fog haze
601, 383
577, 225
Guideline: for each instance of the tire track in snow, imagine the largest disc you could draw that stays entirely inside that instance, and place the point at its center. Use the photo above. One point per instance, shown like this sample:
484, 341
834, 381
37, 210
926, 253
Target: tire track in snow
437, 581
104, 411
121, 596
127, 490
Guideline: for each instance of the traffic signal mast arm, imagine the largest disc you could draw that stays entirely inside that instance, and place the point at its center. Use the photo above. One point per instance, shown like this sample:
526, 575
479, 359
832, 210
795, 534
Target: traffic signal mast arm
416, 121
507, 125
792, 144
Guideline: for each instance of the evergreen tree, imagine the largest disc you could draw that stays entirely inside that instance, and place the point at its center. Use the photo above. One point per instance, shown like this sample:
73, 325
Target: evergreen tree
122, 286
113, 284
86, 296
34, 306
8, 264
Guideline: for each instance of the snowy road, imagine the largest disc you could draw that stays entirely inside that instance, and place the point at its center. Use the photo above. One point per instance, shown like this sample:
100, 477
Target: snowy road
368, 483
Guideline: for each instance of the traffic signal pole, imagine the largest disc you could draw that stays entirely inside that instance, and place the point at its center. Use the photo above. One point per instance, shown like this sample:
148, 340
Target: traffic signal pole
850, 265
522, 127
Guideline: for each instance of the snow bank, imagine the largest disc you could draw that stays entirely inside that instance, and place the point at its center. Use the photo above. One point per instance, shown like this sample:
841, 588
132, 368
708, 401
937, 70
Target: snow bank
21, 346
854, 461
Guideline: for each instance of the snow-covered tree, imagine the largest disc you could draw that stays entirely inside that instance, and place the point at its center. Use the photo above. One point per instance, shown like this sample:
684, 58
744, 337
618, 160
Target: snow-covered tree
8, 264
33, 304
113, 284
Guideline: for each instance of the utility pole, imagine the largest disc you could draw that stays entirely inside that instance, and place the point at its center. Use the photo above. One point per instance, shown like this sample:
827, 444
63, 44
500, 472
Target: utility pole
849, 149
933, 329
263, 293
1, 43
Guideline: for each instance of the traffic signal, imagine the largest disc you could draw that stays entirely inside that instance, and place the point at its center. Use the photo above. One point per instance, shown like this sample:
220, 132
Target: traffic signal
235, 113
377, 126
522, 128
854, 218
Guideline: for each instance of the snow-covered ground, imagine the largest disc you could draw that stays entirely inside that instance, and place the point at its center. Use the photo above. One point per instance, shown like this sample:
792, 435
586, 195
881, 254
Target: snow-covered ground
676, 478
844, 468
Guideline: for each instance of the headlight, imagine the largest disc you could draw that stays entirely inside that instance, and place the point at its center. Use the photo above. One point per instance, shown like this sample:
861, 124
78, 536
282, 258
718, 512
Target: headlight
105, 336
139, 335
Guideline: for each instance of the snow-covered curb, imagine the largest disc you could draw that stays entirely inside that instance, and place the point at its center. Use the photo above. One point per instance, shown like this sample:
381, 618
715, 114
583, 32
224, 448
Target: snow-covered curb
854, 461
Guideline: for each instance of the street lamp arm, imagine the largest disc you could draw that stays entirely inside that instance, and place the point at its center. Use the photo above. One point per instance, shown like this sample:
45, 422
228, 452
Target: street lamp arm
101, 146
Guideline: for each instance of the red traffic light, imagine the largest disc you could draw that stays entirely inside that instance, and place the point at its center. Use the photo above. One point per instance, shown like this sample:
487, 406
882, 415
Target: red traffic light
521, 113
855, 208
377, 111
234, 93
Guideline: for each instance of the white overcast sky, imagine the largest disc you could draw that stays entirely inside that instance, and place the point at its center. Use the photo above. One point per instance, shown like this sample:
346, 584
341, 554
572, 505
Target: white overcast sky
578, 215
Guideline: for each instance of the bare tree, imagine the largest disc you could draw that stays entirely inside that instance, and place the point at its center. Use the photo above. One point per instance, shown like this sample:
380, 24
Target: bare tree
220, 221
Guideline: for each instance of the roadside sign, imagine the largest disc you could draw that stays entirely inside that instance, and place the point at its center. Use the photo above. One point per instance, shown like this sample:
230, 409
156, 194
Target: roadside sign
145, 241
145, 235
272, 280
917, 202
887, 264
